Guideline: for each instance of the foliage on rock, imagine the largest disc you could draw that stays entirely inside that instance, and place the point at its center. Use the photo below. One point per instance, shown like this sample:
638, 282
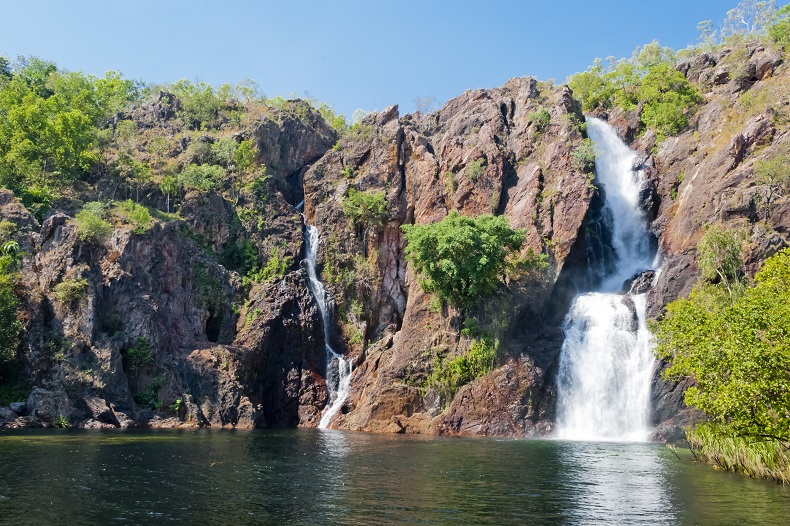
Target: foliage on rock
461, 258
737, 349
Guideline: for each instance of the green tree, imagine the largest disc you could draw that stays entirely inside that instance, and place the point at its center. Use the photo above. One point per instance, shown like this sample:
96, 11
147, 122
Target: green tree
749, 17
774, 174
91, 228
168, 186
462, 258
244, 156
719, 256
737, 349
780, 30
9, 324
367, 209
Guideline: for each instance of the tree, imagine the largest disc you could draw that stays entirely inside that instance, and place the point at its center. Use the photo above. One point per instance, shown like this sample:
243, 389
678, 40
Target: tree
780, 30
462, 258
749, 17
719, 255
737, 349
774, 175
427, 104
366, 209
9, 323
168, 186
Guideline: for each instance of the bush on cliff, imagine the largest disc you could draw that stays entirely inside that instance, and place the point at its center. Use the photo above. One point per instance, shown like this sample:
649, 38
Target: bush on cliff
462, 258
9, 325
367, 209
737, 349
647, 78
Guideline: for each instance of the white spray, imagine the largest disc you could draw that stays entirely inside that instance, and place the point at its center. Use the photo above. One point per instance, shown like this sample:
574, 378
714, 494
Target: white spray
606, 360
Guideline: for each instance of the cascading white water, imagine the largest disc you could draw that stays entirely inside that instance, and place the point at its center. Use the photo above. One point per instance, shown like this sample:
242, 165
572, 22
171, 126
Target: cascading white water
606, 360
338, 369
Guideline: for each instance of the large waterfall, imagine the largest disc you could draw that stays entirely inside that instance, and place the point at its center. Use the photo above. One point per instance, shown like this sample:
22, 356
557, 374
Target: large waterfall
338, 369
606, 360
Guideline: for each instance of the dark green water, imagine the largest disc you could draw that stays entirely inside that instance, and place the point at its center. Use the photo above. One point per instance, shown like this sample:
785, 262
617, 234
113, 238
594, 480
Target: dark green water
330, 477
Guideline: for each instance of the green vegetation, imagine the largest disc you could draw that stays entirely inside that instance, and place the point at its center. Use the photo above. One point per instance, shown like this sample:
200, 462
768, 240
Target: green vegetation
460, 258
70, 290
10, 326
719, 256
773, 174
541, 119
584, 156
139, 355
734, 342
475, 168
148, 398
60, 422
450, 374
276, 267
648, 78
49, 123
368, 209
721, 446
205, 177
91, 226
780, 30
136, 215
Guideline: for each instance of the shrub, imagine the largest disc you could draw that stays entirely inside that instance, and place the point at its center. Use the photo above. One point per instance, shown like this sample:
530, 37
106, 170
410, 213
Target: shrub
139, 355
541, 119
199, 103
7, 230
780, 30
205, 177
584, 156
719, 255
648, 77
148, 398
461, 258
70, 290
9, 323
97, 208
276, 267
91, 228
136, 215
450, 375
475, 168
366, 208
737, 349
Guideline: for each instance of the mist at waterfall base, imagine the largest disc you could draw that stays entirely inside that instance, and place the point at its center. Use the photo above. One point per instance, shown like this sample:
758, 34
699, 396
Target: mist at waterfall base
338, 369
606, 360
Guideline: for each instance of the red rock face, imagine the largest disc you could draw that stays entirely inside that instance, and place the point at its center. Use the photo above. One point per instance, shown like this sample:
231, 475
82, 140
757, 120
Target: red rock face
481, 154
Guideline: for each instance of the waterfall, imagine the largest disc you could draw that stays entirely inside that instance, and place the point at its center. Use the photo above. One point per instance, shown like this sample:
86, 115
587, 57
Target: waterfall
606, 359
338, 369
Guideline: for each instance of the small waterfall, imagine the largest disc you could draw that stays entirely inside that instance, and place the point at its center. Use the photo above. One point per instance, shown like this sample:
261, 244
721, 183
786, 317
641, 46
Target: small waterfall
606, 359
338, 369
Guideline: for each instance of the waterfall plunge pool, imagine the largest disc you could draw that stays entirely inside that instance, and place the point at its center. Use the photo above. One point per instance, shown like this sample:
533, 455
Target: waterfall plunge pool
331, 477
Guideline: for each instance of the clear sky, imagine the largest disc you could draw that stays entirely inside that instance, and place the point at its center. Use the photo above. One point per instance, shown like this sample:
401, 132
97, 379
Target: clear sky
350, 53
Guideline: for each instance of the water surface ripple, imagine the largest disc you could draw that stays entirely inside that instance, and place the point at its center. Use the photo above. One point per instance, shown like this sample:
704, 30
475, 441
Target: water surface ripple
331, 477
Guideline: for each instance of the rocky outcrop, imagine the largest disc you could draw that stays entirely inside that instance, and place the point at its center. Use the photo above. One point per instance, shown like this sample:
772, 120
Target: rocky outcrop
482, 153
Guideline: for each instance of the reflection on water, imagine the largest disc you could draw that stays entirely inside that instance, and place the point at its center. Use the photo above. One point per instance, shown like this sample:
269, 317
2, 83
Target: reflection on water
332, 477
617, 483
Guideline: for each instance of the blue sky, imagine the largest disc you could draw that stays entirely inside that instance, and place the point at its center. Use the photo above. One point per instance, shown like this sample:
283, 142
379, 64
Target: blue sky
351, 54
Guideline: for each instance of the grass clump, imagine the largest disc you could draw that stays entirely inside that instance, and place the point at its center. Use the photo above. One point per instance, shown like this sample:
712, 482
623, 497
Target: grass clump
92, 228
451, 374
136, 215
70, 290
